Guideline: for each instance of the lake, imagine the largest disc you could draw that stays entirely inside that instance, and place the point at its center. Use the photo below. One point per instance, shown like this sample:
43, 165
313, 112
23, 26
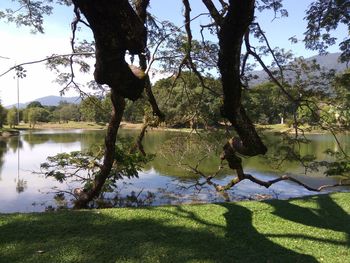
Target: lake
163, 181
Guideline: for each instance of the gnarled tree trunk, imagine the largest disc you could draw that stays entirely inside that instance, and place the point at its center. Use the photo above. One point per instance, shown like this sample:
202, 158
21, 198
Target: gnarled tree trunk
117, 29
235, 24
232, 26
118, 106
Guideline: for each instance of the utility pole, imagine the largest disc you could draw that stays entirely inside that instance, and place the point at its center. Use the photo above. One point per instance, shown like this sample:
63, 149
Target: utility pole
17, 100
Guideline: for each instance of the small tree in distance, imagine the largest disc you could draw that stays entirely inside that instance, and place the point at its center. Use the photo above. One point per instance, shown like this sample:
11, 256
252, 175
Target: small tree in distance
12, 117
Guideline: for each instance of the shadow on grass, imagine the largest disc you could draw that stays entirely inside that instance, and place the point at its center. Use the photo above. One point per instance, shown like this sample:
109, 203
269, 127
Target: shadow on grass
175, 234
327, 215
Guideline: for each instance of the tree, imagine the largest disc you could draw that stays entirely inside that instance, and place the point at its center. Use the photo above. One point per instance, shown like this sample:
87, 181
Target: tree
68, 112
341, 101
3, 115
185, 103
134, 111
94, 109
34, 104
266, 104
122, 27
12, 117
37, 114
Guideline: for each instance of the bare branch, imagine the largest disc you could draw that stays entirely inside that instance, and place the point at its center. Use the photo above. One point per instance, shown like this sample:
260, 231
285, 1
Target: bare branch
261, 62
46, 59
270, 50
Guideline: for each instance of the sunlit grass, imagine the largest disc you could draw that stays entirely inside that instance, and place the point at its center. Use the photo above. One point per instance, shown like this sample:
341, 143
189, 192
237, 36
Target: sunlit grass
290, 129
313, 229
62, 125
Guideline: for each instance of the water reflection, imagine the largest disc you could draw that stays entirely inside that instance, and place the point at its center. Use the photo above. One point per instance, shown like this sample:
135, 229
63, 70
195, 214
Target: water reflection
3, 150
161, 182
21, 185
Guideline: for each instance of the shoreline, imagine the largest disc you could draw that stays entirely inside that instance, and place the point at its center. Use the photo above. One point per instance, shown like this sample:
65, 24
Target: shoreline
274, 128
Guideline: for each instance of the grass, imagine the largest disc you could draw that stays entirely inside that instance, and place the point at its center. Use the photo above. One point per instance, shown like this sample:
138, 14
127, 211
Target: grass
63, 125
137, 126
313, 229
285, 128
7, 132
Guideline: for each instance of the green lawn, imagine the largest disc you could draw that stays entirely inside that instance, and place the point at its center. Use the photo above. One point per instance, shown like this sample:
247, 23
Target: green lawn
63, 125
279, 128
313, 229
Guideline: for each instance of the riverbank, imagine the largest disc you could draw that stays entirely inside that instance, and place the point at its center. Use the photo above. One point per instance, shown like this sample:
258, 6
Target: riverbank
312, 229
7, 132
275, 128
87, 126
63, 126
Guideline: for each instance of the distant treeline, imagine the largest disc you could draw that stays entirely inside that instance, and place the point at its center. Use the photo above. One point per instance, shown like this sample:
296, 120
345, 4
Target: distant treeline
186, 102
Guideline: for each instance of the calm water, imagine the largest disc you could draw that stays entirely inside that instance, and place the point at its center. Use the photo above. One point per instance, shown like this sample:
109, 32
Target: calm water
163, 181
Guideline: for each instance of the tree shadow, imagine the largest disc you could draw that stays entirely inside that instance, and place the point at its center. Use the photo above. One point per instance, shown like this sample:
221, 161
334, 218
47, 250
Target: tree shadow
327, 214
256, 246
175, 234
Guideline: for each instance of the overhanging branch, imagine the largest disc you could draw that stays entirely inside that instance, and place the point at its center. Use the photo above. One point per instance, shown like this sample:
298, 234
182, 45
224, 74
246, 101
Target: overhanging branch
46, 59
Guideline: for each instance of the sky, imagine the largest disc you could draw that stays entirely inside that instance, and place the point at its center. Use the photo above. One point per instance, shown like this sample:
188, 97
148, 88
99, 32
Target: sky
19, 45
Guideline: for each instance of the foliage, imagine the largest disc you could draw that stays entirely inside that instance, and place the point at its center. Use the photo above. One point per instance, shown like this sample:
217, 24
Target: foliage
37, 114
3, 115
95, 109
31, 15
323, 17
83, 167
68, 112
186, 103
12, 117
199, 150
340, 164
341, 100
34, 104
266, 104
135, 111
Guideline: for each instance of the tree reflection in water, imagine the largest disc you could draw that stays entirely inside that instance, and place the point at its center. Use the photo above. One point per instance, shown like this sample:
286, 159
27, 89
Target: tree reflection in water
163, 181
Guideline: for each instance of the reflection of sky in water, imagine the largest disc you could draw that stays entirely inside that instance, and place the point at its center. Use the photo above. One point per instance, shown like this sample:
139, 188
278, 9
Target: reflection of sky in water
55, 131
35, 186
35, 147
174, 191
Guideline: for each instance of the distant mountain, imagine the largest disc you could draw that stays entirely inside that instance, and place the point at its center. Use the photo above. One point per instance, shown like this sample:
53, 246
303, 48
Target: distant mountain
328, 62
49, 101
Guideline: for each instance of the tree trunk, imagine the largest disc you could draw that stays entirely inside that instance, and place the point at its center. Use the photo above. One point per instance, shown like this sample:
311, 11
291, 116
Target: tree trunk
118, 106
235, 24
116, 28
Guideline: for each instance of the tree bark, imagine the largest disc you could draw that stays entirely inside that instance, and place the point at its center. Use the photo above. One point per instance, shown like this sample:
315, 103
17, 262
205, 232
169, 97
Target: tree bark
118, 106
233, 26
116, 28
141, 10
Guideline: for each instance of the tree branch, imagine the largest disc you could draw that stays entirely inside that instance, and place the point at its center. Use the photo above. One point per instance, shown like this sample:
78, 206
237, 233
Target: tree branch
46, 59
213, 11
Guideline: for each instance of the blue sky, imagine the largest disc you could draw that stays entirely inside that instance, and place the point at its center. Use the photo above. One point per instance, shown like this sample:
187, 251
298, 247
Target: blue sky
21, 46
